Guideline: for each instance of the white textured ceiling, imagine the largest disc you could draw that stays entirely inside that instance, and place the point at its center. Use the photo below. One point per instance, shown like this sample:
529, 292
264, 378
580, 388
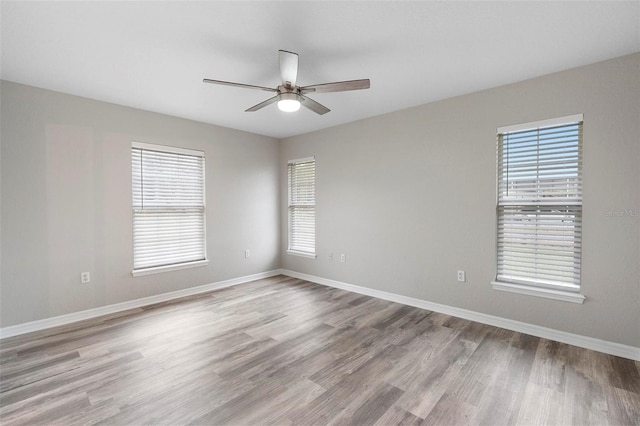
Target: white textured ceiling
154, 55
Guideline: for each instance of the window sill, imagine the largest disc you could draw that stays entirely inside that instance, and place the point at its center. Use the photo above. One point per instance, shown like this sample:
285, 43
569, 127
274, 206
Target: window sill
302, 254
160, 269
566, 296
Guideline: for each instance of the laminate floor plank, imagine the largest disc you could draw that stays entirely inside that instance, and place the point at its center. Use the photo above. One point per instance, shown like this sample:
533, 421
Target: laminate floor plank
284, 351
585, 402
501, 400
397, 416
372, 409
541, 406
278, 409
71, 378
353, 390
87, 416
623, 407
484, 367
426, 379
450, 410
239, 409
53, 411
34, 367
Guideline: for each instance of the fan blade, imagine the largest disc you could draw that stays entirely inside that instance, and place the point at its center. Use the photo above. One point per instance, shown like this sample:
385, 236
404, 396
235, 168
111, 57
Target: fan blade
246, 86
313, 105
288, 68
263, 104
338, 86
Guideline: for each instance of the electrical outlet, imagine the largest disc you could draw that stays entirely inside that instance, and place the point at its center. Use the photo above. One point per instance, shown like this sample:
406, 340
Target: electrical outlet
331, 256
85, 278
343, 258
462, 276
247, 254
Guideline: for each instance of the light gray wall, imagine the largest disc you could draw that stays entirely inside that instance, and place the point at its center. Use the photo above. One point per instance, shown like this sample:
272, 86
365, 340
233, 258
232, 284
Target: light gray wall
409, 197
66, 202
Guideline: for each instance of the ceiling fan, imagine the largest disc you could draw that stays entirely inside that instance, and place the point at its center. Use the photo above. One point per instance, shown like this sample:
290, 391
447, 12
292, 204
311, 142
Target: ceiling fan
288, 95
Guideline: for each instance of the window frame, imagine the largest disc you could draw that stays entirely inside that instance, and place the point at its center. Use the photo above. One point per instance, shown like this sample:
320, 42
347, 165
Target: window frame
297, 251
143, 146
528, 285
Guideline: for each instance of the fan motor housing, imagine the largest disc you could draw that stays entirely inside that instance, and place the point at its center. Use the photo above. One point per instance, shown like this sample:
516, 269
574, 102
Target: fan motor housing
289, 96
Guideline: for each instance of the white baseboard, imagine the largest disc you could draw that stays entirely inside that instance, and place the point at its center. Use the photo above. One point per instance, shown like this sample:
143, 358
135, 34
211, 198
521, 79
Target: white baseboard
38, 325
611, 348
599, 345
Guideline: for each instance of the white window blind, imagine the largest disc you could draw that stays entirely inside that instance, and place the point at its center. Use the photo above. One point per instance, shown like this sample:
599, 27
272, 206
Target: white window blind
302, 206
168, 206
540, 204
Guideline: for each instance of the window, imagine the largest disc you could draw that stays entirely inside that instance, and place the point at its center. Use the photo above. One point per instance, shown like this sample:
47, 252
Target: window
168, 208
539, 209
302, 207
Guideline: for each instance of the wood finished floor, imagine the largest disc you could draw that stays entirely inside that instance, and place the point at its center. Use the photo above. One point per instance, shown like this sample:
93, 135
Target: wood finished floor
283, 351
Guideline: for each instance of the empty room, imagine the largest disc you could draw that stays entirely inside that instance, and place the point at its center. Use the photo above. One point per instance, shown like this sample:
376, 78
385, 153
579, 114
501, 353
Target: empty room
320, 213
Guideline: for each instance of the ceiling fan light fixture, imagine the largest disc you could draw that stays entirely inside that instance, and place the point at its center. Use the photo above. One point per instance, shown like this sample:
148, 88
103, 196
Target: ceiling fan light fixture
289, 95
288, 102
